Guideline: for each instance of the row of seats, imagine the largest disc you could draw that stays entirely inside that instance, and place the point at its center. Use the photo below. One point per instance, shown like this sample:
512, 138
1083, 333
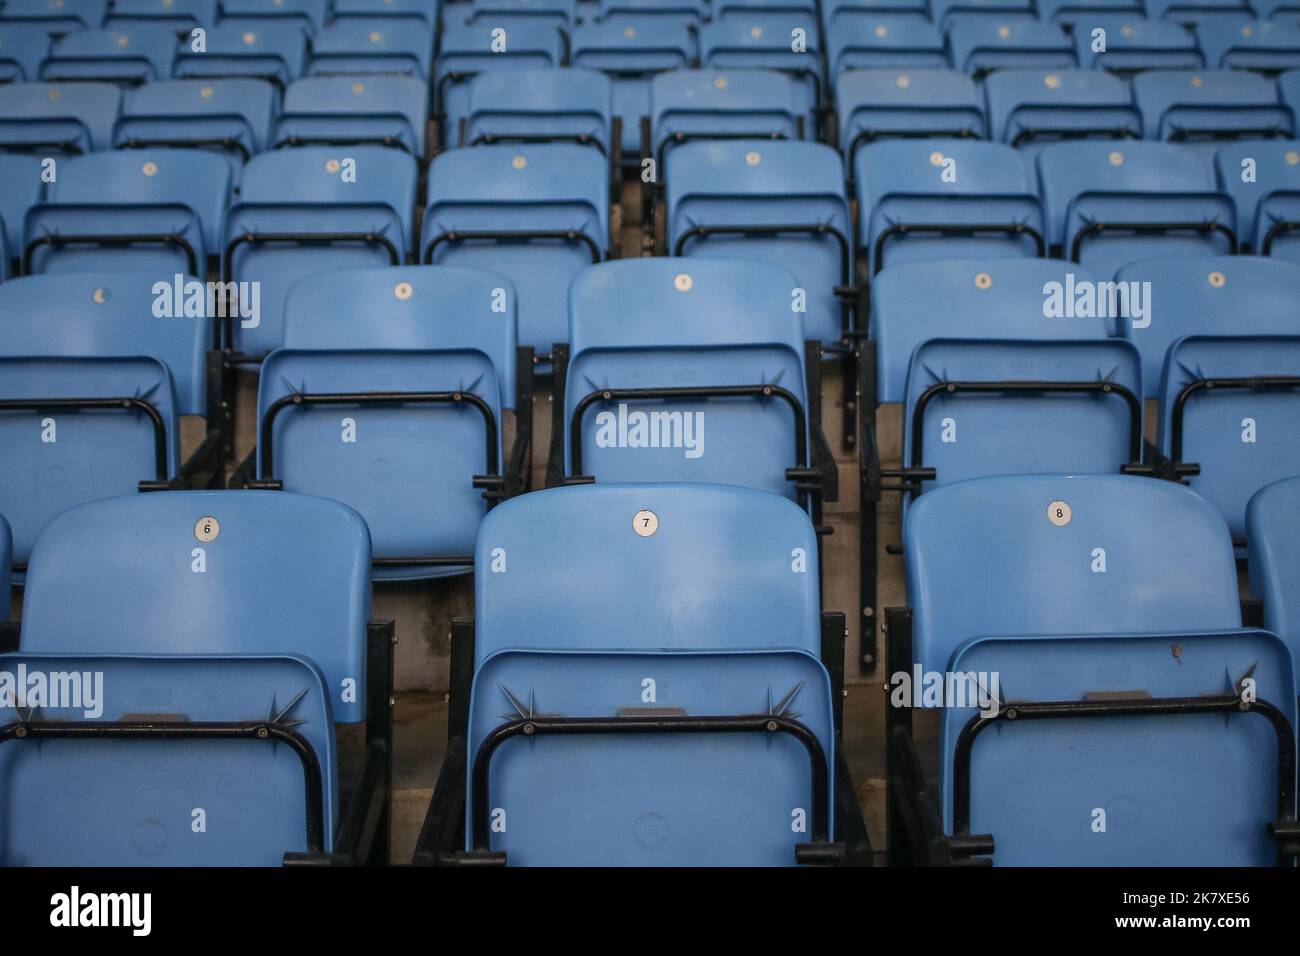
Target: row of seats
166, 211
665, 741
992, 380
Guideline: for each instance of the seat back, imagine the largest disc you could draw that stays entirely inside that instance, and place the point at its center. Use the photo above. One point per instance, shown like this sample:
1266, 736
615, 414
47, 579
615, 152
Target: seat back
1203, 106
717, 189
1033, 300
273, 573
309, 210
665, 324
57, 118
786, 42
1261, 46
1208, 296
353, 46
1063, 555
883, 40
1273, 533
1133, 43
1028, 108
126, 55
407, 469
57, 16
1263, 180
229, 116
916, 197
484, 203
982, 45
182, 15
272, 50
1110, 204
688, 644
167, 801
467, 49
723, 104
883, 104
306, 13
147, 210
367, 110
538, 105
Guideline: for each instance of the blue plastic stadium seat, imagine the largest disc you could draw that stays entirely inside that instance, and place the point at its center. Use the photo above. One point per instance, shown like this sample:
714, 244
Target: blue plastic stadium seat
724, 104
971, 337
1273, 531
91, 337
866, 40
289, 658
1183, 11
1196, 107
726, 9
1282, 11
426, 10
57, 16
629, 55
231, 117
354, 45
156, 211
536, 213
1132, 43
982, 45
731, 198
308, 13
445, 334
282, 574
537, 106
22, 48
691, 646
126, 56
1075, 593
943, 199
465, 50
883, 104
24, 188
635, 12
507, 13
1209, 296
1066, 11
1263, 180
1028, 108
949, 13
273, 50
1263, 46
913, 303
767, 41
310, 210
1114, 203
382, 110
669, 364
177, 15
57, 119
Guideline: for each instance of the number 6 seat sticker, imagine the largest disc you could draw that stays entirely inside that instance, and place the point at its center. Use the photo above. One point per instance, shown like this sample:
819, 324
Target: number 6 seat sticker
206, 529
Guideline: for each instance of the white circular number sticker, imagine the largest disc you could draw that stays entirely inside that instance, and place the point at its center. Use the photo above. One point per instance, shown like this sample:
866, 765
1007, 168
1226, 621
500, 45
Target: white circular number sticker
645, 523
207, 528
1058, 512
